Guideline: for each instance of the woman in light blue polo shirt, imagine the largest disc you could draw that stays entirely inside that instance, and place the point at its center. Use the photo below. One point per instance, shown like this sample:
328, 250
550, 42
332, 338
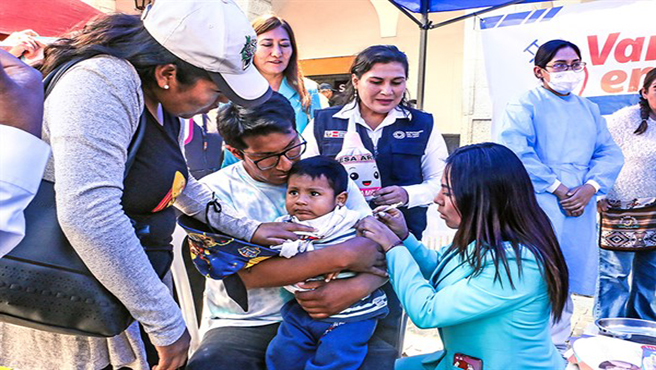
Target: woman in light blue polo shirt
492, 291
276, 59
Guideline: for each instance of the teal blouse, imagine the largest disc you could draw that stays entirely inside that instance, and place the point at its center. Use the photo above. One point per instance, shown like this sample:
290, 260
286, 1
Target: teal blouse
302, 117
477, 316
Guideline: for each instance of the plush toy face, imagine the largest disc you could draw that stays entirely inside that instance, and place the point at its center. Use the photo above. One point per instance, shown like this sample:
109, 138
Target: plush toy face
363, 171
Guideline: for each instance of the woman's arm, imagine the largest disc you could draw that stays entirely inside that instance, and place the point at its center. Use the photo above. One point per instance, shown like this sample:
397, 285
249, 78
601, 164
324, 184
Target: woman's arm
467, 299
432, 166
426, 259
91, 117
193, 202
195, 197
518, 134
388, 228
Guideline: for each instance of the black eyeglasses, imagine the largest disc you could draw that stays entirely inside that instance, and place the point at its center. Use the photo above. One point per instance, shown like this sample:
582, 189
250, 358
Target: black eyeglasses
272, 161
561, 67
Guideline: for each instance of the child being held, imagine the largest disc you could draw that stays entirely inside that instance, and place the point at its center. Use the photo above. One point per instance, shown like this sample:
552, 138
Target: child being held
316, 194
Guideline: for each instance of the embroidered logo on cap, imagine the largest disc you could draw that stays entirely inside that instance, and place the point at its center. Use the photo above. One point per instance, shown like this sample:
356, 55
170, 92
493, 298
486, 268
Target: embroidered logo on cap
248, 52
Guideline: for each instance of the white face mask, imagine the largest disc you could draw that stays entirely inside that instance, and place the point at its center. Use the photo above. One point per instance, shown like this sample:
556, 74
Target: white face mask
564, 82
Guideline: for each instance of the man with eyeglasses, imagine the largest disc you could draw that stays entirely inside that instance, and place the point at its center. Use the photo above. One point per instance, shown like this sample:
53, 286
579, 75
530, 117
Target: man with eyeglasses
265, 140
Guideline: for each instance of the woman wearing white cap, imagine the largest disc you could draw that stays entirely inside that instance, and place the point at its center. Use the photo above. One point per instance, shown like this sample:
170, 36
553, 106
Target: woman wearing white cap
178, 62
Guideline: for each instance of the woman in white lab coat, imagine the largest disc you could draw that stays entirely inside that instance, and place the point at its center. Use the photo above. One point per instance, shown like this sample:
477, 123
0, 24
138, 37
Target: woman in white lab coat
570, 156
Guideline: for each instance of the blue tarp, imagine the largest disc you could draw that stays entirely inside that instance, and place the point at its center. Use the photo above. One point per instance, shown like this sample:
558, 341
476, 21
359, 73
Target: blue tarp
421, 7
416, 6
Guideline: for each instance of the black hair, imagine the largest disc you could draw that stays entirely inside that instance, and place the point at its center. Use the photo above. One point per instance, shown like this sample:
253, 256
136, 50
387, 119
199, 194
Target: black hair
366, 59
548, 50
645, 109
274, 115
318, 166
496, 202
123, 36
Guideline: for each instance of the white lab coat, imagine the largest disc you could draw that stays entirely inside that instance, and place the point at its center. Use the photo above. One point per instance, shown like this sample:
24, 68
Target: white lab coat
565, 140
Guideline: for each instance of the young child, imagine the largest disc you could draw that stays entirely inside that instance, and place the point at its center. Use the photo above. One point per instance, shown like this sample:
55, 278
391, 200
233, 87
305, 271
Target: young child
316, 194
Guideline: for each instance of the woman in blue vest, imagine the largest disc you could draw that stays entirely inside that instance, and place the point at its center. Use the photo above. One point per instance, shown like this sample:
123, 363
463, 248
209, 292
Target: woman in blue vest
276, 58
409, 151
492, 291
570, 155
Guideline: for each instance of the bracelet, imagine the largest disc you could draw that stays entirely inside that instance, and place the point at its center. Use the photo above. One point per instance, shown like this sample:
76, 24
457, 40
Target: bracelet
394, 246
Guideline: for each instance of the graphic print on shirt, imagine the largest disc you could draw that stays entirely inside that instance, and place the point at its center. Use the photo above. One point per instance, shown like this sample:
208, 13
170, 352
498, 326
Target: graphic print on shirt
179, 183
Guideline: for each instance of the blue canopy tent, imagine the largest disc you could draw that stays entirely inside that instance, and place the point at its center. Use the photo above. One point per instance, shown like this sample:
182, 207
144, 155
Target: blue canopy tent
423, 7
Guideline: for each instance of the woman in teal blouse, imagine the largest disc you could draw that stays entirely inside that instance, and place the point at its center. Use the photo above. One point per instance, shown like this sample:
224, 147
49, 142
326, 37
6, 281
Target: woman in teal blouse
491, 292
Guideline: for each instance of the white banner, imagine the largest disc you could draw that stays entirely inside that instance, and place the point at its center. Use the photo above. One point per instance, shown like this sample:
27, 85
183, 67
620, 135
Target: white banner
617, 41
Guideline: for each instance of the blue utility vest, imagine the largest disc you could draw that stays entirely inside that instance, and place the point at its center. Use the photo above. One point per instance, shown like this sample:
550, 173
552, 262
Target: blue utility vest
398, 155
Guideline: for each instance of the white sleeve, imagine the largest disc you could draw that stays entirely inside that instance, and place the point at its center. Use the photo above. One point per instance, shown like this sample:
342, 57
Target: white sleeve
432, 166
594, 185
23, 158
554, 186
312, 148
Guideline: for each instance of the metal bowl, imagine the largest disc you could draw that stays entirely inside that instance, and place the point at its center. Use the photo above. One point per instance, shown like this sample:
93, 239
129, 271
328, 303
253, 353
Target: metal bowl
635, 330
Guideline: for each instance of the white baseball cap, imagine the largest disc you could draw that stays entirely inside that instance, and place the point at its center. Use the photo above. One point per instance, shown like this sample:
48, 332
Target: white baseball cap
213, 35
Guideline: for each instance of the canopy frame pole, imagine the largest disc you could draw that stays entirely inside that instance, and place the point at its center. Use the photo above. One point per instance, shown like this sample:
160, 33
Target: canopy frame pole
423, 46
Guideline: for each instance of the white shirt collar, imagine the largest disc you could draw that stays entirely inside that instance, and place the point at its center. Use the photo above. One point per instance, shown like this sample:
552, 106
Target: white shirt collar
352, 110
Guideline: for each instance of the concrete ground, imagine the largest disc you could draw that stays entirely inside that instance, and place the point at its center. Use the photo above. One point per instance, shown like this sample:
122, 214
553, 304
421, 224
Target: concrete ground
418, 341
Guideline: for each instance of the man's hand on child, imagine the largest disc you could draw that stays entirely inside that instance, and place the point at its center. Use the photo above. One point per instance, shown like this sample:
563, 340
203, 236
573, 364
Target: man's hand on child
327, 299
276, 233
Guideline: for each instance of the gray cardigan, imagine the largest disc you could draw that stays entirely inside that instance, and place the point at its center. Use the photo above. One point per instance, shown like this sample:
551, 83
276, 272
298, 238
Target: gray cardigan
90, 118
